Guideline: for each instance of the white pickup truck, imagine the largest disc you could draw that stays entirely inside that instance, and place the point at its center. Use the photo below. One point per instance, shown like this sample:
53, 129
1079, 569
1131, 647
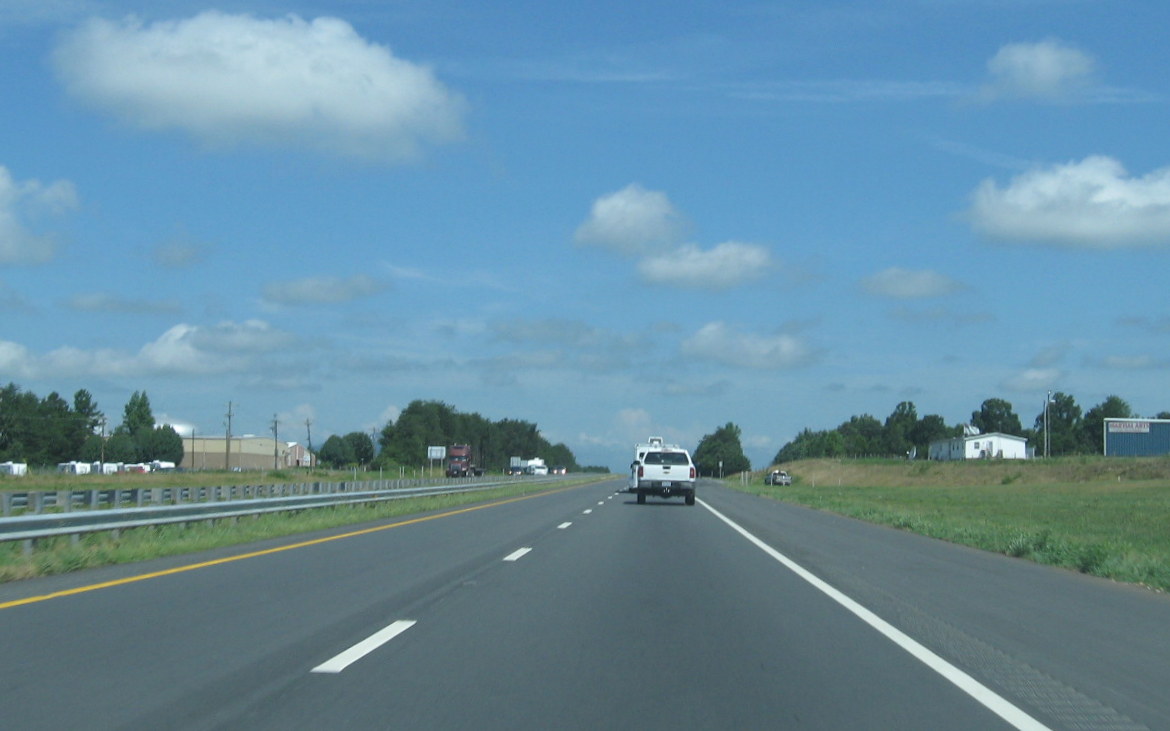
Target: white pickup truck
661, 469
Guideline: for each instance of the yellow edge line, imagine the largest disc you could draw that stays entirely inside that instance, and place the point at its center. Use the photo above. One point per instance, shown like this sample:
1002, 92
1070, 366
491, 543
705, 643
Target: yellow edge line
265, 552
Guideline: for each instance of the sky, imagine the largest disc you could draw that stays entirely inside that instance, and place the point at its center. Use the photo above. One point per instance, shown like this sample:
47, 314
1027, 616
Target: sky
611, 219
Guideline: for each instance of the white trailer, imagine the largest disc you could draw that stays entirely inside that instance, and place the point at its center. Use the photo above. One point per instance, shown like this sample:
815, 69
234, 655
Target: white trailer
15, 469
993, 445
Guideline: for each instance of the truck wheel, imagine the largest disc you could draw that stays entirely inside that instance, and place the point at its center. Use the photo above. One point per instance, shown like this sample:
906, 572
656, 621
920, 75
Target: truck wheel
641, 498
690, 498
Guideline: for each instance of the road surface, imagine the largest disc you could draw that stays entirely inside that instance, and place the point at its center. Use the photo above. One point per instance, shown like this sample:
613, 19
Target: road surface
580, 609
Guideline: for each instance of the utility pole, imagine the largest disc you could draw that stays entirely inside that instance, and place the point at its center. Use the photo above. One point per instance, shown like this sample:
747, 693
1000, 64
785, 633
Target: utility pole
275, 443
227, 453
1047, 400
309, 433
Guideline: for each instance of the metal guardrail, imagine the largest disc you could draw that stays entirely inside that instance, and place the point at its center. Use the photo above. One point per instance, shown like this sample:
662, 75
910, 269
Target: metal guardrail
163, 506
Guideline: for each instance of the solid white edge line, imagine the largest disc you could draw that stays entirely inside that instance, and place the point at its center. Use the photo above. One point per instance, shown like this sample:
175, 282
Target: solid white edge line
365, 647
997, 704
515, 555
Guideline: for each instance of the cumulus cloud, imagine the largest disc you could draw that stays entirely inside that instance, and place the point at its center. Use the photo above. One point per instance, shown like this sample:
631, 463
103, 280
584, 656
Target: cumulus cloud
723, 343
632, 221
23, 201
322, 290
725, 266
235, 79
183, 350
904, 284
1091, 204
642, 223
1049, 71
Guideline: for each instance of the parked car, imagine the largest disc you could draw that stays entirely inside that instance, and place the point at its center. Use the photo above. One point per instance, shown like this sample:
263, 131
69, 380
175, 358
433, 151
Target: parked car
778, 477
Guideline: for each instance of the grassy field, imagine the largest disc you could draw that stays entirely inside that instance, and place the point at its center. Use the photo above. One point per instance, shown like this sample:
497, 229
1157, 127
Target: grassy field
61, 555
1106, 517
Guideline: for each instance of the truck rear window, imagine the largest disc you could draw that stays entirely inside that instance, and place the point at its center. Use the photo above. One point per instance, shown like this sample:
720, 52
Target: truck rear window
671, 458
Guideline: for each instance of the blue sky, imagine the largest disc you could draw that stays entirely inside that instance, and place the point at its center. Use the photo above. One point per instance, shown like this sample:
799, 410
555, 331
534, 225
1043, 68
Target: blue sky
612, 220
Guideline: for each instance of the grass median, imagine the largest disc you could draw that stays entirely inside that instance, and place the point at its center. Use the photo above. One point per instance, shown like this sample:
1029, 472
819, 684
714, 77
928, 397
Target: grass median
62, 554
1105, 517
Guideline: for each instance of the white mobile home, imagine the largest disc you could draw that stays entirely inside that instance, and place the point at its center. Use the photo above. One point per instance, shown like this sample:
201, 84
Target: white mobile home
13, 468
980, 446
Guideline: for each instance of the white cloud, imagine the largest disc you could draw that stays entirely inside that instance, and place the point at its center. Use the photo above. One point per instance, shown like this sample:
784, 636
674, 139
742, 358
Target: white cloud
1093, 204
21, 201
15, 360
322, 290
1033, 379
901, 283
183, 350
234, 79
1048, 70
719, 342
722, 267
632, 221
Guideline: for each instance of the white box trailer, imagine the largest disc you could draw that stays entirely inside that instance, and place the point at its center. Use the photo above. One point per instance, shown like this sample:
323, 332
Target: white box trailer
16, 469
74, 468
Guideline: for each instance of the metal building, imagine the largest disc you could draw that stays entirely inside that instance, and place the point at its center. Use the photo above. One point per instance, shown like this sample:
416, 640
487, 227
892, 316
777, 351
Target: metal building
1137, 437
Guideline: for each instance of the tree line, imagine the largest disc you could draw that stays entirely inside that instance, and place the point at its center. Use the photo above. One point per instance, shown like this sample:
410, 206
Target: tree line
422, 424
50, 430
1070, 431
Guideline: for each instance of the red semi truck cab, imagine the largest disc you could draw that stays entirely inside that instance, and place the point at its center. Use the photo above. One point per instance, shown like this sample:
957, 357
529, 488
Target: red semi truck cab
460, 462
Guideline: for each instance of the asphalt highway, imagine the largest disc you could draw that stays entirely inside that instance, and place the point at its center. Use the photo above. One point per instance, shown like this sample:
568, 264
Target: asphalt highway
579, 609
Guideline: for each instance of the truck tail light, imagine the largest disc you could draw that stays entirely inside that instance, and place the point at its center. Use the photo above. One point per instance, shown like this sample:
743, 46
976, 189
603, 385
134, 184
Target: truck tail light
692, 472
640, 471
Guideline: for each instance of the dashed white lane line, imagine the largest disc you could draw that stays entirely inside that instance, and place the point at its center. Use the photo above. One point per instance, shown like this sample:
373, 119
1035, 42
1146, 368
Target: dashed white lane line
969, 685
588, 511
564, 525
365, 647
517, 554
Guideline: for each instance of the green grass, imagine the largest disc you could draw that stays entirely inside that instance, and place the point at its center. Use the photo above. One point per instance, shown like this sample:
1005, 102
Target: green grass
1108, 518
61, 555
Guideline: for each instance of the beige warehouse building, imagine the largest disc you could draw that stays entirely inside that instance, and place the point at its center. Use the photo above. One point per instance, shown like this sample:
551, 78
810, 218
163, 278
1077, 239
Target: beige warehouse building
242, 453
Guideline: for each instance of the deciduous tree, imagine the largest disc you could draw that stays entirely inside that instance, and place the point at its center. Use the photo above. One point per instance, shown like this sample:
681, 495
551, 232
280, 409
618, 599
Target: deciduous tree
721, 450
